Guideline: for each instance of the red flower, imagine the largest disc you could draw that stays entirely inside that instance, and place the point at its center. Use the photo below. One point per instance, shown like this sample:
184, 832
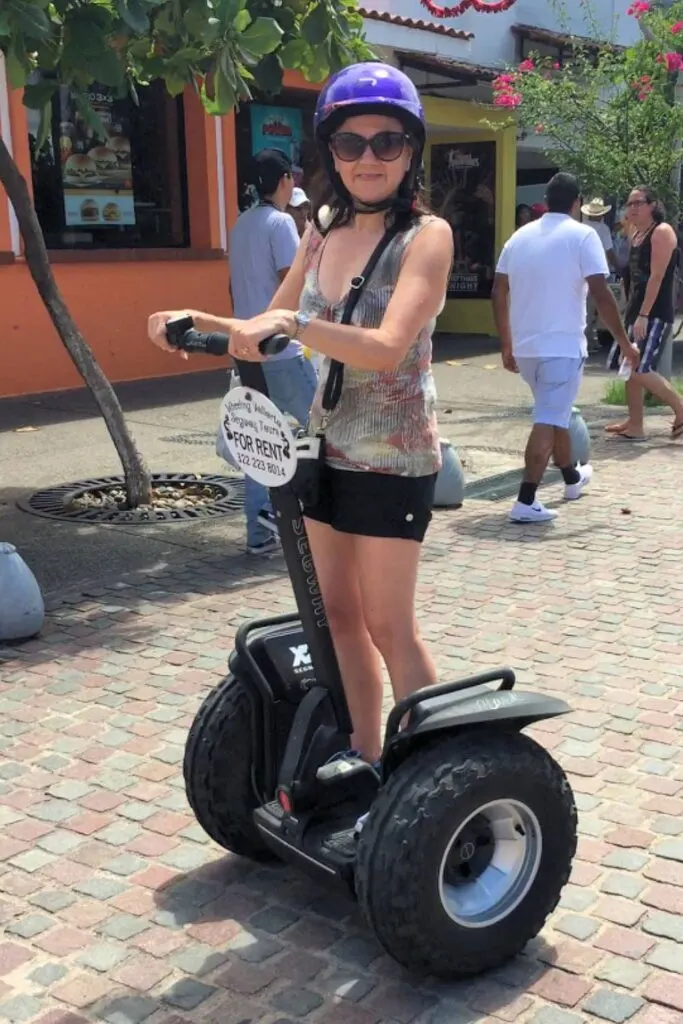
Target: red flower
527, 65
673, 61
639, 8
678, 27
507, 99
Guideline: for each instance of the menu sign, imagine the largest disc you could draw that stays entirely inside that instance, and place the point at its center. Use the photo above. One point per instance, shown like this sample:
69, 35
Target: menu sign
463, 179
97, 176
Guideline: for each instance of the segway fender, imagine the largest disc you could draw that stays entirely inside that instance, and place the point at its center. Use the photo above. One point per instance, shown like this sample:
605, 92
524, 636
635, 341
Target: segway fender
505, 709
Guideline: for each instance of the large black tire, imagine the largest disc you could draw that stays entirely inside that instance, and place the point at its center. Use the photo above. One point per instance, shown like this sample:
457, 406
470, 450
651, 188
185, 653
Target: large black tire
408, 831
218, 770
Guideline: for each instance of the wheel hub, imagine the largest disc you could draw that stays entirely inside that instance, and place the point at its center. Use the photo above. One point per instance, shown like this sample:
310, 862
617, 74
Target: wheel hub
471, 852
490, 863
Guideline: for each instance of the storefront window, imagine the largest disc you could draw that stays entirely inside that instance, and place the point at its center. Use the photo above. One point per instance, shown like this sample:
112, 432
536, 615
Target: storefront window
284, 123
127, 190
463, 180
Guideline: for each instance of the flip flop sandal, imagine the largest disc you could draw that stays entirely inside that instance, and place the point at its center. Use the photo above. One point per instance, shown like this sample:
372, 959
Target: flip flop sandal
677, 431
614, 428
638, 437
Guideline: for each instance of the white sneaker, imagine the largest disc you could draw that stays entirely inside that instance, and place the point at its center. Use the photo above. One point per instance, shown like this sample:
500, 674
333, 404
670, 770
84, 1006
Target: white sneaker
574, 491
536, 513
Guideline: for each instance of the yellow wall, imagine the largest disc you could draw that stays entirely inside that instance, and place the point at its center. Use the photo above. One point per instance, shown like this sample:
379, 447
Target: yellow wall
474, 316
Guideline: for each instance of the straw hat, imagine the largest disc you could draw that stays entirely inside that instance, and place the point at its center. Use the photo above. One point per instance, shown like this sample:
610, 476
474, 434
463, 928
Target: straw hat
596, 208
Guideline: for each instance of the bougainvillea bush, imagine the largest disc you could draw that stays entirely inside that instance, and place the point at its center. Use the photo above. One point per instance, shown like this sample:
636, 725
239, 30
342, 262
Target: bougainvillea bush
607, 114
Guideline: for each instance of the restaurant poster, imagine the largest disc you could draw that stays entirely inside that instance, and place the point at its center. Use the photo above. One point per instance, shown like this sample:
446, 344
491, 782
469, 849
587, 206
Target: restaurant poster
97, 175
463, 180
278, 128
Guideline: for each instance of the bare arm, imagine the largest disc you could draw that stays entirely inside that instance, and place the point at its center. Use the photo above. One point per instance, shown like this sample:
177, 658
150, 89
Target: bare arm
500, 300
663, 244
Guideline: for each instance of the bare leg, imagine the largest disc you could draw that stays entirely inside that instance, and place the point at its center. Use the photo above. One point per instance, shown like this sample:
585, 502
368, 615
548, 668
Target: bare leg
336, 564
661, 388
537, 453
562, 448
388, 578
635, 399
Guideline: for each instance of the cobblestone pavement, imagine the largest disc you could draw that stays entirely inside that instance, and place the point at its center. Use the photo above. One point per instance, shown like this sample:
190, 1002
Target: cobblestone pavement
116, 908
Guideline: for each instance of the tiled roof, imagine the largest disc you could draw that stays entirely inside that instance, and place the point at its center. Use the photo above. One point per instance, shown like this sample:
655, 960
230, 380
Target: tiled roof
447, 66
424, 26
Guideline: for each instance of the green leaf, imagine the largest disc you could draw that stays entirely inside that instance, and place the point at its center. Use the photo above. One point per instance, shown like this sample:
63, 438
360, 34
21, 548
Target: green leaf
133, 13
225, 97
242, 21
39, 94
5, 29
17, 70
319, 67
28, 18
175, 83
315, 28
262, 36
90, 116
295, 53
268, 73
44, 126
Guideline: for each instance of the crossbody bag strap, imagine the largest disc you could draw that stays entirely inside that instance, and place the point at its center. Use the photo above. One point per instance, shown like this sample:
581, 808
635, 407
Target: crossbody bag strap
335, 377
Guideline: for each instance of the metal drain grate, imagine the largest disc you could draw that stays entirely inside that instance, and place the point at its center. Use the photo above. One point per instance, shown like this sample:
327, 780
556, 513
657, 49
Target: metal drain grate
503, 485
54, 502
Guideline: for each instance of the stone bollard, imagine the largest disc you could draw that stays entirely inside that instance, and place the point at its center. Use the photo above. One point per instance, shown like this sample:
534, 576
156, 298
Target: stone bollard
580, 438
450, 483
22, 611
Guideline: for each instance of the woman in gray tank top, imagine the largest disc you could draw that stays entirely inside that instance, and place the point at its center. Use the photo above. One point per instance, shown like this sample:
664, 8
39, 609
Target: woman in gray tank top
381, 442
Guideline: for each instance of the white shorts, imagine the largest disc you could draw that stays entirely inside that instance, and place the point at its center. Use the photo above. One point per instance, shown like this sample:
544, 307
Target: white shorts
554, 383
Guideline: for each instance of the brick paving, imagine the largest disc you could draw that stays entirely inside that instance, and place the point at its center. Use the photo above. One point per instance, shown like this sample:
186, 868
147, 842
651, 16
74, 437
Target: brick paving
116, 908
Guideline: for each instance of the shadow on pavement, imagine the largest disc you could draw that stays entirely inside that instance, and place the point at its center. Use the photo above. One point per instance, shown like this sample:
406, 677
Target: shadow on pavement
258, 912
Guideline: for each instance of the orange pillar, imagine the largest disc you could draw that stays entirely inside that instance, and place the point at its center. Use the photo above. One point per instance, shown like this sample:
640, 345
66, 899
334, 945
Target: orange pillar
202, 175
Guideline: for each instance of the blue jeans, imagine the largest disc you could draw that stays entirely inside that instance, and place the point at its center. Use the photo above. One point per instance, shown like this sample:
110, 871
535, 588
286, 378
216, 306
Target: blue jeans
291, 386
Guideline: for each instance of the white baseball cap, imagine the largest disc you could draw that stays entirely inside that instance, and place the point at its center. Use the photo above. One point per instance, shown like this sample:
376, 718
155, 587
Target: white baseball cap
299, 197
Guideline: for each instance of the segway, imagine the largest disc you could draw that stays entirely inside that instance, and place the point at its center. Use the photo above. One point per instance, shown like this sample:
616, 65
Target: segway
470, 827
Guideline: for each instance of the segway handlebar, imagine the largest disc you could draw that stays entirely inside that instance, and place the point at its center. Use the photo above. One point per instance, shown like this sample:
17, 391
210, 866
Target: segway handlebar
180, 334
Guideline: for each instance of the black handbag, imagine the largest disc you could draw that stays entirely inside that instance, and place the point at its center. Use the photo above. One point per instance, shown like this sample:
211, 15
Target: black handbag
310, 449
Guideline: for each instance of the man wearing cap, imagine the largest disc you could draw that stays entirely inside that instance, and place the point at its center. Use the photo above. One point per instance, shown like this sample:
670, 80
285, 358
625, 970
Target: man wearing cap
299, 209
262, 247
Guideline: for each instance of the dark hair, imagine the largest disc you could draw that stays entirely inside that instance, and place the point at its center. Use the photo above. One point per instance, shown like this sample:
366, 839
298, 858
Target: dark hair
562, 192
518, 211
659, 210
269, 167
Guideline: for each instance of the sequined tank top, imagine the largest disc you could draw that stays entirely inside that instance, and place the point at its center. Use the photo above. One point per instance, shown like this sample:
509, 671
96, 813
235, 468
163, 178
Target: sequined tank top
385, 421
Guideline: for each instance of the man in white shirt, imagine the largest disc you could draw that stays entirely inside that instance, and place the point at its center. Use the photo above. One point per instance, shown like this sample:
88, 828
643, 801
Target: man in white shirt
539, 304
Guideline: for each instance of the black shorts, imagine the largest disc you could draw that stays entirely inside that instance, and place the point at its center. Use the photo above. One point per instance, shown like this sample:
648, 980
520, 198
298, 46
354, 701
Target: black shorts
374, 504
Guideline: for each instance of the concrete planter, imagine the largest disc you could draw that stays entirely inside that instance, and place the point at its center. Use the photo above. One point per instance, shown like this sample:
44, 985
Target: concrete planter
450, 483
580, 438
22, 611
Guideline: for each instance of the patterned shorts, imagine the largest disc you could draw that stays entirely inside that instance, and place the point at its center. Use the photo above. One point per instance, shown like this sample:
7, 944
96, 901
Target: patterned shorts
651, 347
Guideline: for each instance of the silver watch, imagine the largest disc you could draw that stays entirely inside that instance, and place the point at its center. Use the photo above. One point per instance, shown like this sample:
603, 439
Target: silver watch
302, 320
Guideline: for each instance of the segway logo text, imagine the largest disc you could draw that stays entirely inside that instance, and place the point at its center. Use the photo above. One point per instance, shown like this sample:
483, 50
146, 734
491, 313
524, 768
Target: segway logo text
302, 658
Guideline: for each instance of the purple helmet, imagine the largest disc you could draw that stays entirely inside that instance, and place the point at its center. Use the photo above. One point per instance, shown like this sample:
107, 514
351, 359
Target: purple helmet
368, 88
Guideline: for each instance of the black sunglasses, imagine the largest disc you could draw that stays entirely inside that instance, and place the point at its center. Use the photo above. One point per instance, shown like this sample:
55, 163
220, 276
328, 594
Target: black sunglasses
386, 146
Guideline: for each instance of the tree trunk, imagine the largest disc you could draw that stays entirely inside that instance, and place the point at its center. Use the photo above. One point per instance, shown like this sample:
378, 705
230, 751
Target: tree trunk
138, 483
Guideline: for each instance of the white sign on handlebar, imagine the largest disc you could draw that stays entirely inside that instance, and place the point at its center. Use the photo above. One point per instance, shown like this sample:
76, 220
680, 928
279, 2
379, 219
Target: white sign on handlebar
258, 437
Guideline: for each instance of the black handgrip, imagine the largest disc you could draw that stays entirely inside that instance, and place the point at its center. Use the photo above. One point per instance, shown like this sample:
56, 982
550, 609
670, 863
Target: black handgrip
181, 334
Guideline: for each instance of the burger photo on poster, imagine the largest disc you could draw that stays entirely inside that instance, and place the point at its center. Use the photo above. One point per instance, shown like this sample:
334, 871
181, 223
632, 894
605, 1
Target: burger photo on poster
111, 212
120, 146
79, 169
89, 210
105, 161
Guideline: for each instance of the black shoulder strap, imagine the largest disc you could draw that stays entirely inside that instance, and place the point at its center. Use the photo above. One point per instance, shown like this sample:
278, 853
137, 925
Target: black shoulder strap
335, 377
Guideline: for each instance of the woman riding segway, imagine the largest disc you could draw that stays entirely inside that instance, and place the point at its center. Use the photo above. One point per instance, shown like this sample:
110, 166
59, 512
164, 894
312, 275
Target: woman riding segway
455, 835
382, 451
